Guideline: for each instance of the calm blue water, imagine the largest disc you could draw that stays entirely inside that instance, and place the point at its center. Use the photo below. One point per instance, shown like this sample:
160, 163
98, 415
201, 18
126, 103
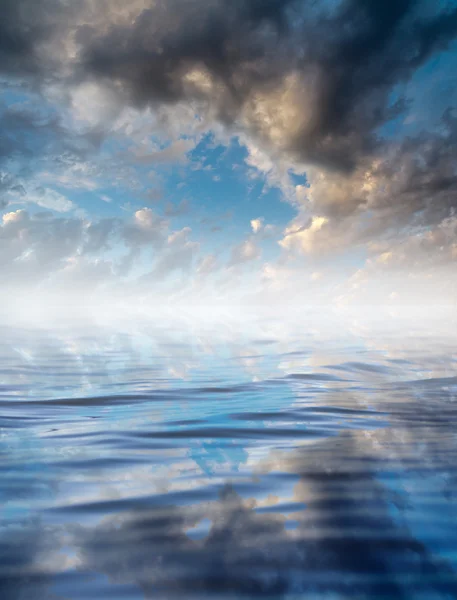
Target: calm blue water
223, 460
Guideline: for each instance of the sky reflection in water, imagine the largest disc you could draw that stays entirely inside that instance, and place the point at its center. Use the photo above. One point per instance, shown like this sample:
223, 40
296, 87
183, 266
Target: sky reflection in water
174, 460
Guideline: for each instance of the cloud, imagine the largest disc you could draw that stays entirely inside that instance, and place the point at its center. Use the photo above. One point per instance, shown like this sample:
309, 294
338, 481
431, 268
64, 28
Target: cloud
19, 190
207, 265
309, 88
15, 217
93, 105
22, 29
315, 83
257, 225
177, 255
48, 249
146, 228
411, 269
177, 210
83, 273
173, 153
244, 252
48, 198
303, 238
312, 86
99, 235
410, 186
31, 249
57, 252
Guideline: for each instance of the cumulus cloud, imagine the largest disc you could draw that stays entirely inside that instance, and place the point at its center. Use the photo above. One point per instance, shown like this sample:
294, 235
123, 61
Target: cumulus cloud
312, 81
311, 84
315, 83
410, 186
303, 238
44, 249
307, 87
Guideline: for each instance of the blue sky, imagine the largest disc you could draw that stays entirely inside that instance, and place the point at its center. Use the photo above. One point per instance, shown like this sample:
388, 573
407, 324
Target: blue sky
196, 150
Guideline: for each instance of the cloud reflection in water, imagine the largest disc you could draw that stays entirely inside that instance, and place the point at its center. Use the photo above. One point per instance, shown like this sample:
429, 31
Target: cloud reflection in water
161, 464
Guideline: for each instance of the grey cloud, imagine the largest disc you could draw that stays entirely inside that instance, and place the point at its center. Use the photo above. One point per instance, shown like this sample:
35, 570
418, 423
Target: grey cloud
99, 235
34, 139
154, 195
311, 81
177, 255
410, 186
244, 252
151, 55
31, 250
146, 228
9, 184
177, 210
34, 248
45, 249
252, 60
419, 178
175, 152
19, 35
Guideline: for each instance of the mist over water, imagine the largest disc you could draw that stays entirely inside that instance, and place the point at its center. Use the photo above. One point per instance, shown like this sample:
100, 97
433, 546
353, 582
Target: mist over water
228, 456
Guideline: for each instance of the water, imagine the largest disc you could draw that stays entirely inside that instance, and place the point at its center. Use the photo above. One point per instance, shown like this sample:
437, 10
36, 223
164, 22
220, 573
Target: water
229, 459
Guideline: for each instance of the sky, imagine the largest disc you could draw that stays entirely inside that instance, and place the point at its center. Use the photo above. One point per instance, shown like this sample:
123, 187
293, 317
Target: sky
219, 152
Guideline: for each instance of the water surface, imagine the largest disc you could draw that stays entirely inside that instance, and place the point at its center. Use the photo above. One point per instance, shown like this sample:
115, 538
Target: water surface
155, 459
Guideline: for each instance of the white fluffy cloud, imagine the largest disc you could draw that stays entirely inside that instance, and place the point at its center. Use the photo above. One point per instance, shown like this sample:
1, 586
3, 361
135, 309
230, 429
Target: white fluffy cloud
257, 224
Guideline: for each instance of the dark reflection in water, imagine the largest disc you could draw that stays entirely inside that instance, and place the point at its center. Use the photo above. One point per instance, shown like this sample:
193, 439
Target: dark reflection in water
271, 460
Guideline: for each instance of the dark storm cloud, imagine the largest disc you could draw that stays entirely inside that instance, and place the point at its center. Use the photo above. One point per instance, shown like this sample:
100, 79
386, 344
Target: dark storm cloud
24, 26
343, 58
412, 182
311, 82
17, 38
347, 57
421, 175
151, 55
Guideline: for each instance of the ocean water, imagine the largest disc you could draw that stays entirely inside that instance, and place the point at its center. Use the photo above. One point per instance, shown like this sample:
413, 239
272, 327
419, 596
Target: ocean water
228, 458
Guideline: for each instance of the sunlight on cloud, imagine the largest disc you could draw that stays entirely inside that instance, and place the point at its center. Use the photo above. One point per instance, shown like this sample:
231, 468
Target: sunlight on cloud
282, 113
303, 238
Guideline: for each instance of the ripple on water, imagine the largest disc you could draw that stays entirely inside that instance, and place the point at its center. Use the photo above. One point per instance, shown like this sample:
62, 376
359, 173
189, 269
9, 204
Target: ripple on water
158, 464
